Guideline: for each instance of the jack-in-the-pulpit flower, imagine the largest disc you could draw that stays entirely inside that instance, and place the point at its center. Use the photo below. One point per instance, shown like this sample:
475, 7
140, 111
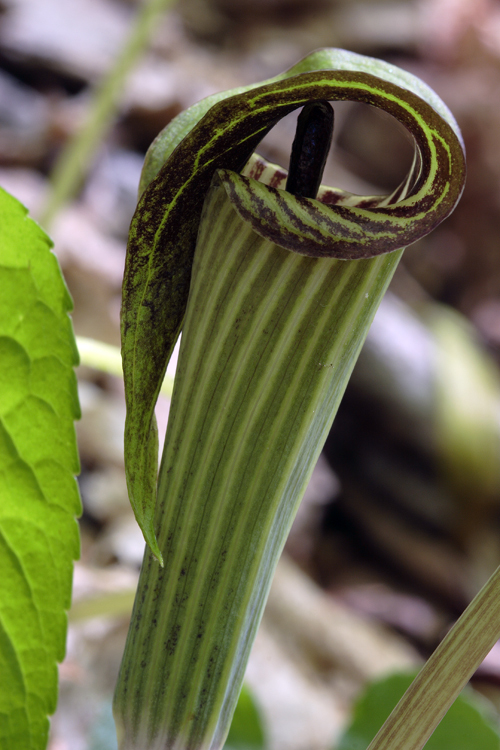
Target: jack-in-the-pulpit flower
274, 289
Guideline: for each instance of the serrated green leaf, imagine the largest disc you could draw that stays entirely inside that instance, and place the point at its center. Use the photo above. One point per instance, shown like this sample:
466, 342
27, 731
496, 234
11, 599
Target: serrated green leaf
466, 726
39, 496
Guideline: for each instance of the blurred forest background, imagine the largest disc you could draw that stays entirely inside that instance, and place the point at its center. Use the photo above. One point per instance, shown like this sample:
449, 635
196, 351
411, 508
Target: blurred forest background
400, 525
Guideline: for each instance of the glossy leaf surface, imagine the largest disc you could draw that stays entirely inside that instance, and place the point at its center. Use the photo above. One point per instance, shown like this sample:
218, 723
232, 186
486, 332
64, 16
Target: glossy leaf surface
38, 461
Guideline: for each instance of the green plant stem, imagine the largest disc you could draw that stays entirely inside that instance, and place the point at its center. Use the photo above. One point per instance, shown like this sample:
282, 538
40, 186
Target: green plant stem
76, 157
270, 339
108, 359
445, 673
111, 604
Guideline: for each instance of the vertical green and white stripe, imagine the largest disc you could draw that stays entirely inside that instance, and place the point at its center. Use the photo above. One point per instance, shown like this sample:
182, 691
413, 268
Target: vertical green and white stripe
274, 311
269, 341
220, 134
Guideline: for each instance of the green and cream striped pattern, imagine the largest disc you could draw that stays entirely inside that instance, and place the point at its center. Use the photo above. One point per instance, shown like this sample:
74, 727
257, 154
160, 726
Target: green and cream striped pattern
276, 307
221, 134
269, 341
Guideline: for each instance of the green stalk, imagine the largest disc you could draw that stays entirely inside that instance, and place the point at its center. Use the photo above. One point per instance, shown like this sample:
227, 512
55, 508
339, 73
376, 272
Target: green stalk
270, 339
274, 292
107, 358
76, 157
445, 673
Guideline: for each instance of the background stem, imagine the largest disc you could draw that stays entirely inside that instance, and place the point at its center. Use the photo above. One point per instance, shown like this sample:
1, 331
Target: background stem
76, 157
445, 673
108, 358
